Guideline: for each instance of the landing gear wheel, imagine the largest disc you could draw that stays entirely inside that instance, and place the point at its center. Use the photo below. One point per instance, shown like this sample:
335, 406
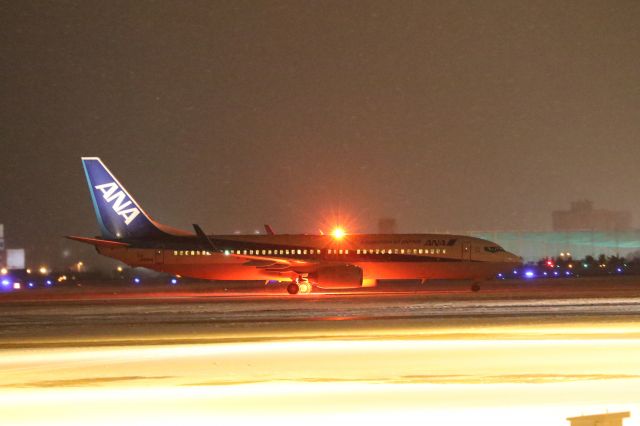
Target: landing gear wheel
475, 287
304, 287
293, 288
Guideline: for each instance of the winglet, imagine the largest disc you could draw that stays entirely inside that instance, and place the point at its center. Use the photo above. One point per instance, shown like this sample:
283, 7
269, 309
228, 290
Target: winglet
269, 229
203, 238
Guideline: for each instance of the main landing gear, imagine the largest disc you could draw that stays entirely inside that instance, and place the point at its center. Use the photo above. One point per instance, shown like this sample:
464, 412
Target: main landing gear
301, 285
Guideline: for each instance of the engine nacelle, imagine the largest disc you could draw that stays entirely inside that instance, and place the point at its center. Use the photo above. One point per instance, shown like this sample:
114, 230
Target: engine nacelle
337, 276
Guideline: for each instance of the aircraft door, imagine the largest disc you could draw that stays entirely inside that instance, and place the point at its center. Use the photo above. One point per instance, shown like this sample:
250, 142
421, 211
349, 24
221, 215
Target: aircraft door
466, 251
158, 256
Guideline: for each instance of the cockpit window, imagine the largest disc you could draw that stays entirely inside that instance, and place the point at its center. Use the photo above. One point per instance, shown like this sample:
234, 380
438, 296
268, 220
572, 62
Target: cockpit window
493, 249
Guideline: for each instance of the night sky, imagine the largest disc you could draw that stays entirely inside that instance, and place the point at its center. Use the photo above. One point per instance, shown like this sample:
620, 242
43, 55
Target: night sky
448, 116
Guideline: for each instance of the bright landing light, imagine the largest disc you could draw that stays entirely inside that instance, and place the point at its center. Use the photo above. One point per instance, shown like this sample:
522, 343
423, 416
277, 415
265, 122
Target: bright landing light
338, 233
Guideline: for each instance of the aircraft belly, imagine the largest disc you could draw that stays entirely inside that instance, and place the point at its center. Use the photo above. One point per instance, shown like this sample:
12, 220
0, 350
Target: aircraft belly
431, 270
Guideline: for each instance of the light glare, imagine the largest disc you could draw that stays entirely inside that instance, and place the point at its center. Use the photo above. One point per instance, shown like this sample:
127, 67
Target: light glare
338, 233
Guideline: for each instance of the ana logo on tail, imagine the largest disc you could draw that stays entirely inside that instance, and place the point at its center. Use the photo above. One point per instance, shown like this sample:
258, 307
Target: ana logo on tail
111, 192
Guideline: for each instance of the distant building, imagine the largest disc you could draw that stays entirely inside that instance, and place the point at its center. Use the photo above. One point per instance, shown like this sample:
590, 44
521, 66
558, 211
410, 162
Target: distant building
583, 217
609, 419
387, 225
10, 258
15, 259
534, 245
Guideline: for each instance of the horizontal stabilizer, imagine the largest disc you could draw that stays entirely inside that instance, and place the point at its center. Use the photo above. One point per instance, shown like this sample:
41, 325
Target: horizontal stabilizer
98, 242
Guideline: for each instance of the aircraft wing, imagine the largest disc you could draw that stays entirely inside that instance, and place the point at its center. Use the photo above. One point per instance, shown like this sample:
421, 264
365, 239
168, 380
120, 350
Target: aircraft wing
274, 264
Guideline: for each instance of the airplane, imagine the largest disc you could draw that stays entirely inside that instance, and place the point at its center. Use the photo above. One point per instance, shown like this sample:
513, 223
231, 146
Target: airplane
336, 260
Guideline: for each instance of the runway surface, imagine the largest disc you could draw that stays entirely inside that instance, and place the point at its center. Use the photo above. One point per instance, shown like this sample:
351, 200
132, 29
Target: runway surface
440, 357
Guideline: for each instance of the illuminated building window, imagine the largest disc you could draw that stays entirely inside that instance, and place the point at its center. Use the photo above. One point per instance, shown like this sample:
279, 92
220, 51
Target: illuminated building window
175, 252
395, 251
433, 251
420, 251
299, 251
318, 252
383, 251
444, 251
286, 251
401, 251
304, 251
358, 251
377, 251
244, 252
339, 251
437, 251
250, 251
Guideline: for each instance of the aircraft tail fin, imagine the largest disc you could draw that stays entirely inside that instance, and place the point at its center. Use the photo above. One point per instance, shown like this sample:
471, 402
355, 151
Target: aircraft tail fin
119, 215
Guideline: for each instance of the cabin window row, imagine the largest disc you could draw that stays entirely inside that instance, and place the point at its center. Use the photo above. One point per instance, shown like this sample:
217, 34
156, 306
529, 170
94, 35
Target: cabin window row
283, 252
402, 251
191, 253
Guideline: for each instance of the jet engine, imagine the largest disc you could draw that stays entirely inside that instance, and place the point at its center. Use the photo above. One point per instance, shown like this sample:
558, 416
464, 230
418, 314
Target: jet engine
337, 276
